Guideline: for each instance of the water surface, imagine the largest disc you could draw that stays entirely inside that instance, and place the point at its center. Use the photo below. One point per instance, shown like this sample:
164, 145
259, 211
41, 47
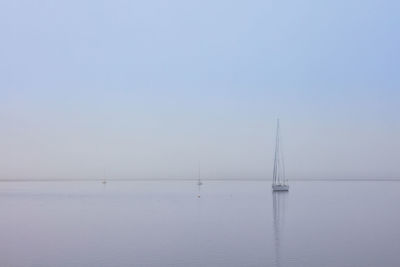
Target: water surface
231, 224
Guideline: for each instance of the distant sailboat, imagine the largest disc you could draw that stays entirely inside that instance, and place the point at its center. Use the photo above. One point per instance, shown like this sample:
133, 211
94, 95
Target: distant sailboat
199, 178
199, 183
279, 182
104, 181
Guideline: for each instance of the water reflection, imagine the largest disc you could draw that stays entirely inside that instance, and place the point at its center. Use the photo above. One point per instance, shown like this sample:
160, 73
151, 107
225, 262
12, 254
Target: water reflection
279, 201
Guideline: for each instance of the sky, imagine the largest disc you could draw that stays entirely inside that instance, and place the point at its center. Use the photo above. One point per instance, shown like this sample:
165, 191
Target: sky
153, 89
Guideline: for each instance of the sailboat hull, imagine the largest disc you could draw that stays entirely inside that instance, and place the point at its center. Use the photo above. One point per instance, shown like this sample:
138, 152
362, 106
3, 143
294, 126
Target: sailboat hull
279, 187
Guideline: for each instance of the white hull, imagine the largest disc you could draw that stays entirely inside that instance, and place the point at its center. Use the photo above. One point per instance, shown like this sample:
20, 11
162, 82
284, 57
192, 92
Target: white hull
279, 187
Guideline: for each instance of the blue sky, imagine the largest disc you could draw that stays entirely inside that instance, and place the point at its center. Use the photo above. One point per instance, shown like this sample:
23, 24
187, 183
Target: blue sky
147, 89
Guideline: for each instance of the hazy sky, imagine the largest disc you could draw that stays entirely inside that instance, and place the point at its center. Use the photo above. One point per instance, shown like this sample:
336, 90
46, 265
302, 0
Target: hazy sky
147, 89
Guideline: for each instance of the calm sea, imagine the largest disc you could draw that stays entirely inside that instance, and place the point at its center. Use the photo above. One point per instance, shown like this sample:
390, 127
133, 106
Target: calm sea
86, 224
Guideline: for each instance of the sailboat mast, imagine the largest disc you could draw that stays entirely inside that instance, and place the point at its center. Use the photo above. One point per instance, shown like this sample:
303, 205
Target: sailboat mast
276, 159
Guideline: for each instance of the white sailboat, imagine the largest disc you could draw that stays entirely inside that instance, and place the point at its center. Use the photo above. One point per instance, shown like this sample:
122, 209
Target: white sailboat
279, 182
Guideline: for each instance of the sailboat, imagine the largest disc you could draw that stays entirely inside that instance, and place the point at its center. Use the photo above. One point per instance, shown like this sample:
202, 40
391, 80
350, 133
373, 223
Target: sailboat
104, 181
199, 179
279, 182
199, 183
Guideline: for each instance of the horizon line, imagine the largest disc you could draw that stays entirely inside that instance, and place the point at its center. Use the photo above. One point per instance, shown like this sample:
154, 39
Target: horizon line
191, 179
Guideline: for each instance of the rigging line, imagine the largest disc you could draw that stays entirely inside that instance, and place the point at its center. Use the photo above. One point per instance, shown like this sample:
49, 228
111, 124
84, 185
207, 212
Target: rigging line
282, 159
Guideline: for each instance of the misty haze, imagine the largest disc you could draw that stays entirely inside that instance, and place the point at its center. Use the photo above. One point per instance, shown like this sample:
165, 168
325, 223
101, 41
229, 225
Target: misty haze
212, 133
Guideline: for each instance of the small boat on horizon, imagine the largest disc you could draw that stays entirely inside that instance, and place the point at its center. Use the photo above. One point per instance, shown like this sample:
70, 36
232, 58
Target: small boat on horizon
199, 183
199, 178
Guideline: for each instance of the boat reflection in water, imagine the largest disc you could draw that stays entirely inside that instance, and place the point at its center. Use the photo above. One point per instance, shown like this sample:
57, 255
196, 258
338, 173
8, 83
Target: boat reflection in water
279, 202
